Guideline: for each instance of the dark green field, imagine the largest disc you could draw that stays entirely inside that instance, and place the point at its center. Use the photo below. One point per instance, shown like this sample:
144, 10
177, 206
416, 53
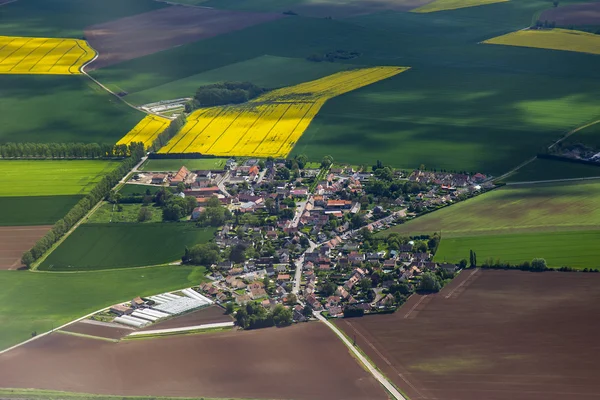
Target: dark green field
544, 169
36, 301
35, 210
462, 106
574, 249
265, 71
590, 136
66, 18
108, 246
55, 108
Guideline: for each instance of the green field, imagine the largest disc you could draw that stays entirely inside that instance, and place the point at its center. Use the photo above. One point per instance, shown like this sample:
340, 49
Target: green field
108, 246
51, 177
191, 164
61, 109
66, 18
36, 301
574, 249
107, 213
519, 208
544, 169
590, 136
35, 210
265, 71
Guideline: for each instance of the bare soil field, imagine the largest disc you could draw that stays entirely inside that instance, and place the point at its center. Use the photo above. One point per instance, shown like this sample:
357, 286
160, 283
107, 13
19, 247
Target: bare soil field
573, 14
209, 315
15, 240
305, 361
494, 335
132, 37
104, 331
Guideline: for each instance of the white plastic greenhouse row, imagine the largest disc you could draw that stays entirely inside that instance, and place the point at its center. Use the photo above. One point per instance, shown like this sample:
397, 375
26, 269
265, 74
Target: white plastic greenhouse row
132, 321
164, 298
180, 305
191, 293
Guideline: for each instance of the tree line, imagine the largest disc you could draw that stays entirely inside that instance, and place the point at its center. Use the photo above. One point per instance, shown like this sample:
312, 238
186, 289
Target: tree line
166, 135
223, 93
62, 150
101, 190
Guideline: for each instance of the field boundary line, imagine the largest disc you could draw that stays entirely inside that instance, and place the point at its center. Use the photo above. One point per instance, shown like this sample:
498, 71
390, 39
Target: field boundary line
462, 283
515, 169
83, 335
571, 132
589, 178
182, 329
372, 369
415, 306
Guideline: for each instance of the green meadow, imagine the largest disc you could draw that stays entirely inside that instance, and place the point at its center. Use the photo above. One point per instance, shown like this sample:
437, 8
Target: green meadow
123, 245
51, 177
35, 210
578, 249
544, 169
109, 213
566, 206
37, 301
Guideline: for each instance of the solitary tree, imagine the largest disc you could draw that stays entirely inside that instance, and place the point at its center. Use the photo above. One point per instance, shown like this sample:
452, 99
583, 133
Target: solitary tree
538, 264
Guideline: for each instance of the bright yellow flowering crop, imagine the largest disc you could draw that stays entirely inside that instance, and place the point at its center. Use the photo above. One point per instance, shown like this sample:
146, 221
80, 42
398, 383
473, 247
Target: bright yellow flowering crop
554, 39
271, 124
26, 55
443, 5
146, 131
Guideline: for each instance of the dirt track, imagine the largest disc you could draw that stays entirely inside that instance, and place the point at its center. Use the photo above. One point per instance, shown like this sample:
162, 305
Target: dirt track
304, 361
15, 240
139, 35
494, 335
573, 14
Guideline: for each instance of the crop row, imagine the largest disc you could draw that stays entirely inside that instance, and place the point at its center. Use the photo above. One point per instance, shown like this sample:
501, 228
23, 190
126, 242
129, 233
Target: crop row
146, 131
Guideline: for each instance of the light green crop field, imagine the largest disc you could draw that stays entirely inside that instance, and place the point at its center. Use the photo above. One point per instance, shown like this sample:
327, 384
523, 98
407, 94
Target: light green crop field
51, 177
265, 71
191, 164
576, 249
545, 169
566, 206
108, 213
37, 301
108, 246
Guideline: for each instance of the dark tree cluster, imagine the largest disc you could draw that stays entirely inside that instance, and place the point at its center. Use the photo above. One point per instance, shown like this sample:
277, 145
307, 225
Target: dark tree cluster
100, 191
219, 94
254, 316
62, 150
332, 56
166, 135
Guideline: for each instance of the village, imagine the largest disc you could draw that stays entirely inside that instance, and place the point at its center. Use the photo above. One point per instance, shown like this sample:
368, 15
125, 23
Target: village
305, 235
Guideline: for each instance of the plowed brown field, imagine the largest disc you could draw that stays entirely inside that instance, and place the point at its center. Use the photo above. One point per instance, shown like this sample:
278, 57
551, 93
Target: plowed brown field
15, 240
154, 31
493, 335
573, 14
210, 315
305, 361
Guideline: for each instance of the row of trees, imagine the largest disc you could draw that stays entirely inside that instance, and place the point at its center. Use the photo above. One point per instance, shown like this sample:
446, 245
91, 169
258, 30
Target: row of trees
166, 135
101, 190
62, 150
253, 316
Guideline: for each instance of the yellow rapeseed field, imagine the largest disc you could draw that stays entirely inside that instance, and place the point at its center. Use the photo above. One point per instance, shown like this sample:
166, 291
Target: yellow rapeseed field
27, 55
443, 5
553, 39
271, 124
146, 130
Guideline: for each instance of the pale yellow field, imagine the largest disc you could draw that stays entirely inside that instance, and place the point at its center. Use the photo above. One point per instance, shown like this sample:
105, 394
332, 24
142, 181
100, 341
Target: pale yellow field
26, 55
443, 5
146, 131
271, 124
553, 39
